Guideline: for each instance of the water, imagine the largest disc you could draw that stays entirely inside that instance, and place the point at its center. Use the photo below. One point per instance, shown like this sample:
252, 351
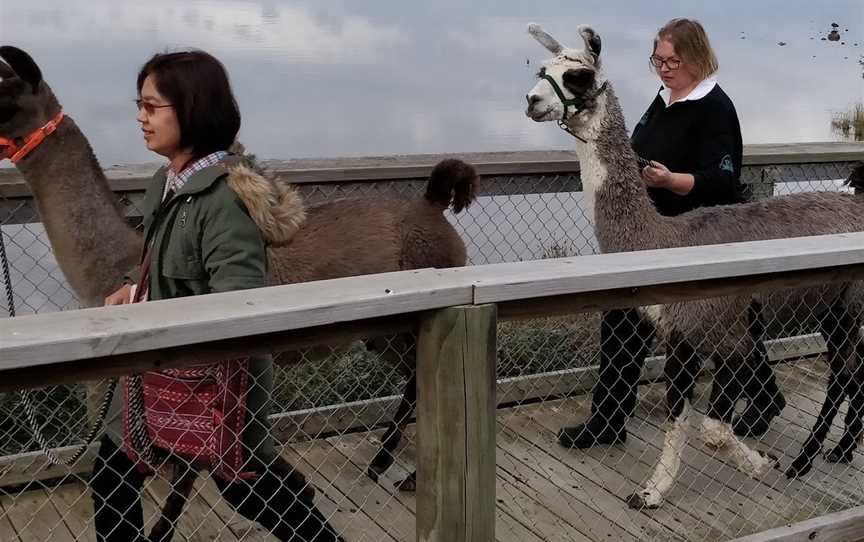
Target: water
341, 78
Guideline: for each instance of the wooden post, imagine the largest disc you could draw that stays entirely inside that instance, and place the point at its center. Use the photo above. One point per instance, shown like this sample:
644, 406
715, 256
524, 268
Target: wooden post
456, 425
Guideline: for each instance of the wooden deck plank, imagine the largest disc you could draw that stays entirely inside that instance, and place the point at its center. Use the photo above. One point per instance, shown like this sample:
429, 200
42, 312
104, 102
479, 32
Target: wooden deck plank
621, 469
199, 522
378, 504
237, 526
583, 482
544, 492
734, 497
517, 500
561, 494
804, 388
75, 505
827, 487
345, 515
539, 425
634, 462
35, 518
6, 526
765, 502
361, 448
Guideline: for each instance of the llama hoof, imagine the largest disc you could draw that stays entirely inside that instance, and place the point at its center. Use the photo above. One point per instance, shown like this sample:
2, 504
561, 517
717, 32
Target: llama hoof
838, 455
409, 484
380, 463
645, 499
769, 462
800, 467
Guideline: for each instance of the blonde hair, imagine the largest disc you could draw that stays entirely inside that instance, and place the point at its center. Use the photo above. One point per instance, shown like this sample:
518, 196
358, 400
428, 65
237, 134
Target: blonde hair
691, 44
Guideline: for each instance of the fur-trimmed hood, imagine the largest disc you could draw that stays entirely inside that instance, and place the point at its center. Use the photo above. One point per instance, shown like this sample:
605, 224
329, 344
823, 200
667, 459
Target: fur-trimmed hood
277, 208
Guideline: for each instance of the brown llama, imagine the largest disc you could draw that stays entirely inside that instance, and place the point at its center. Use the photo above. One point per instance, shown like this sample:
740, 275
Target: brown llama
95, 247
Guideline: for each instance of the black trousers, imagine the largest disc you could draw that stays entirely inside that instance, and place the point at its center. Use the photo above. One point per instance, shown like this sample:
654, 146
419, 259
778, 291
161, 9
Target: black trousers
269, 499
624, 342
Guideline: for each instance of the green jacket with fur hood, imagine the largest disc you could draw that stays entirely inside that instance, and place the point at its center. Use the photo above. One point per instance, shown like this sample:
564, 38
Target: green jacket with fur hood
211, 236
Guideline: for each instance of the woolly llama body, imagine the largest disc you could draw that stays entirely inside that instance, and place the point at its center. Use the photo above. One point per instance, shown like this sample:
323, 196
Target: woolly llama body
728, 330
95, 247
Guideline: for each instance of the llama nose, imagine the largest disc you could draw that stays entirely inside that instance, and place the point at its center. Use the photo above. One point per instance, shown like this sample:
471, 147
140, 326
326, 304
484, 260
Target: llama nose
532, 99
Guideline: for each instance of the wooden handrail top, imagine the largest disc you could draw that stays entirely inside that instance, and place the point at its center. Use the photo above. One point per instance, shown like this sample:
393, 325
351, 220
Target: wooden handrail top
32, 341
134, 177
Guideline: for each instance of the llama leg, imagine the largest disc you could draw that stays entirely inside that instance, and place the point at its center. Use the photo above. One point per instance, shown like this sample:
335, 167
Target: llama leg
393, 436
838, 326
682, 365
717, 429
765, 400
181, 488
833, 399
280, 503
842, 453
854, 373
401, 352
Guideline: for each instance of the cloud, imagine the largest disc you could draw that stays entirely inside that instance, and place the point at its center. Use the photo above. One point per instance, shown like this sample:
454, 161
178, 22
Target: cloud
294, 31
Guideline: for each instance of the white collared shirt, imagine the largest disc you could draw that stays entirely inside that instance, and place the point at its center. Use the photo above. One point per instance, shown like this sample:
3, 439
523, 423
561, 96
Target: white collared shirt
702, 89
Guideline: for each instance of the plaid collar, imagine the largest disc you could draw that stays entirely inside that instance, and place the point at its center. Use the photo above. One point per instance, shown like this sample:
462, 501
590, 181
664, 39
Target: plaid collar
175, 181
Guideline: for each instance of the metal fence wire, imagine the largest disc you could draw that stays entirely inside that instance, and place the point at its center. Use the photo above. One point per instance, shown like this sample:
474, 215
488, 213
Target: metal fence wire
330, 406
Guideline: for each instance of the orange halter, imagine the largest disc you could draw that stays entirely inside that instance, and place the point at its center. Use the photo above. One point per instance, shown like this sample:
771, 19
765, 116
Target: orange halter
8, 148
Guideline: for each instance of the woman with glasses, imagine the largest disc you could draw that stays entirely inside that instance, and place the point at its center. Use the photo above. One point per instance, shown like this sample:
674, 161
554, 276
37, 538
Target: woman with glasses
200, 237
691, 136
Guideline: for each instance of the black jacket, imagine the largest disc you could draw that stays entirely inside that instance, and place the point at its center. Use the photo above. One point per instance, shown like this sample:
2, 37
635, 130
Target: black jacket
701, 137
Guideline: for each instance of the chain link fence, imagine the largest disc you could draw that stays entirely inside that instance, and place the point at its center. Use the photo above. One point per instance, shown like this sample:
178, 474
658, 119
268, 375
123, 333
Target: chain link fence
331, 406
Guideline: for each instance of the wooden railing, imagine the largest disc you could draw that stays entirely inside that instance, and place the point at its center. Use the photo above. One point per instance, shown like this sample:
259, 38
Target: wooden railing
505, 173
454, 312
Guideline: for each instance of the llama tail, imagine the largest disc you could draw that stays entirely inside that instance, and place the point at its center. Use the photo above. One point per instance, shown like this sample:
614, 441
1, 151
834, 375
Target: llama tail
452, 183
856, 179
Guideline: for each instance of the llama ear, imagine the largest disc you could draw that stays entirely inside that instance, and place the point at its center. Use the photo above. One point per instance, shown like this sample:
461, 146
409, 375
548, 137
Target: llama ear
592, 40
545, 39
22, 65
5, 71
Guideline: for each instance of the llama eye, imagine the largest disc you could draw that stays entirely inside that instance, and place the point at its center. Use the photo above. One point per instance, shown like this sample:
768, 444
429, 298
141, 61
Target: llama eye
578, 78
7, 112
541, 73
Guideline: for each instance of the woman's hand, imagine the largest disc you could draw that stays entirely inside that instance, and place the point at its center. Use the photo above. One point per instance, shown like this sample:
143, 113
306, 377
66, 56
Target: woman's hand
120, 297
656, 175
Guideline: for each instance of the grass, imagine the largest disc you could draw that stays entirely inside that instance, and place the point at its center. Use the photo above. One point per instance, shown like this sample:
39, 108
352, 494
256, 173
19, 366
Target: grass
850, 124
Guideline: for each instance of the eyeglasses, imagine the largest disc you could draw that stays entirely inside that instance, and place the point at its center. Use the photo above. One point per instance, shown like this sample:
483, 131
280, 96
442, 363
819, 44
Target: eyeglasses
671, 63
149, 107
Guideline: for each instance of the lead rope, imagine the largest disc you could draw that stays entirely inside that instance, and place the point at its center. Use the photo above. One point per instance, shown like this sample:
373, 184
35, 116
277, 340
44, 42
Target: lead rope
642, 162
26, 401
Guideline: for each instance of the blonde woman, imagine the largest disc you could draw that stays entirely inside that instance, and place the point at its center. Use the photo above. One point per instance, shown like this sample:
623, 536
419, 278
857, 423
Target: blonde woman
692, 137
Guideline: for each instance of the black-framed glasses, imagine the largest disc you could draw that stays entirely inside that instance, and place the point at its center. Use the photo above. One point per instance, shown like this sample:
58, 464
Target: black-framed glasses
671, 63
149, 107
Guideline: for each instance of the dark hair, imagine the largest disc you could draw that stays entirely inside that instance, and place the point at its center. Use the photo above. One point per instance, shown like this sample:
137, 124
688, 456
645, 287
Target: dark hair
197, 85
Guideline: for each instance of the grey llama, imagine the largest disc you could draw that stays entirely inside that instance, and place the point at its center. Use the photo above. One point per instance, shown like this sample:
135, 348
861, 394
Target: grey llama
730, 330
95, 247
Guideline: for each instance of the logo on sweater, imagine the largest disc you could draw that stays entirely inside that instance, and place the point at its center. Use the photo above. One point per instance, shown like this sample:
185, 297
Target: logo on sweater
726, 164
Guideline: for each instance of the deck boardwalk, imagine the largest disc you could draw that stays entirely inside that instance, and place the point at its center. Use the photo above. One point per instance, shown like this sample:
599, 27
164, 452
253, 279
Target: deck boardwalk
544, 493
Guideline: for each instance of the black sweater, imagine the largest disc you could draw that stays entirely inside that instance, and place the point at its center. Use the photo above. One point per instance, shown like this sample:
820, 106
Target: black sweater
701, 137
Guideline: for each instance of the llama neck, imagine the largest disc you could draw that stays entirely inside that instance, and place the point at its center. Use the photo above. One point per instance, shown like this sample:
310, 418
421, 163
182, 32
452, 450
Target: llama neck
624, 217
91, 240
